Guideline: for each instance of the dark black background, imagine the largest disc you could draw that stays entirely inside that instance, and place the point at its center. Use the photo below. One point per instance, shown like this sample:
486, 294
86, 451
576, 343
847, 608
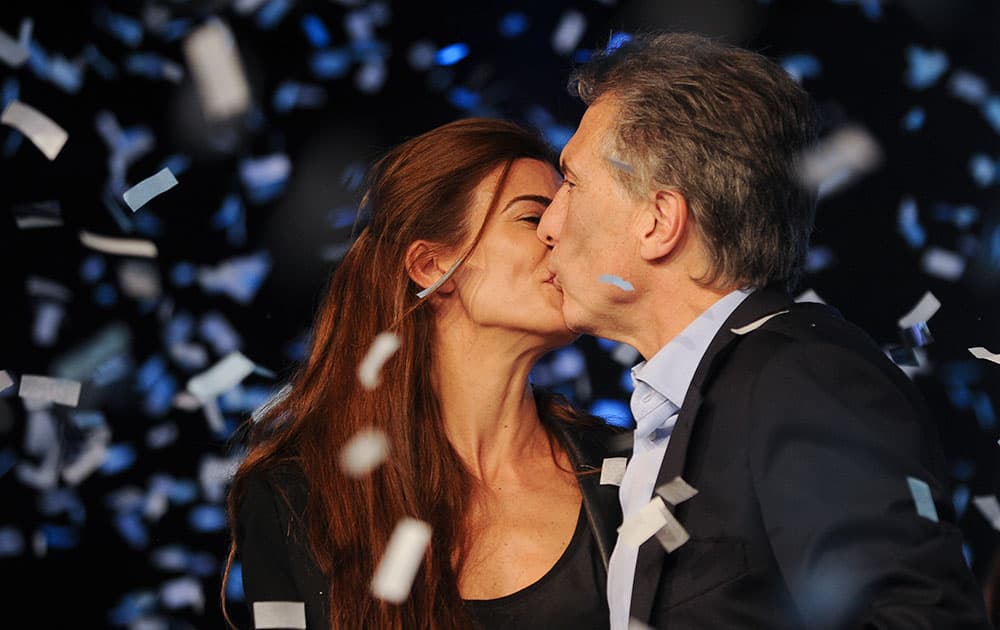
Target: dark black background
875, 277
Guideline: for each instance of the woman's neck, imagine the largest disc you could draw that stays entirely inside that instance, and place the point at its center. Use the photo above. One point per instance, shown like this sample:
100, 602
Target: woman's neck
489, 414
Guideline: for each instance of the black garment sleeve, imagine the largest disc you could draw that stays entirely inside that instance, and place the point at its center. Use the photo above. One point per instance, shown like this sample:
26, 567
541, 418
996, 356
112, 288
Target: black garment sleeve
276, 562
835, 436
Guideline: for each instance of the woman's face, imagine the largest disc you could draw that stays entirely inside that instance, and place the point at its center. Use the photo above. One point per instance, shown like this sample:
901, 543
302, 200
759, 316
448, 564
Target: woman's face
505, 283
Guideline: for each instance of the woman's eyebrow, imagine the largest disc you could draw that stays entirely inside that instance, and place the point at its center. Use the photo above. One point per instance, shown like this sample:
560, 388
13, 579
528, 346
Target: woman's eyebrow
542, 199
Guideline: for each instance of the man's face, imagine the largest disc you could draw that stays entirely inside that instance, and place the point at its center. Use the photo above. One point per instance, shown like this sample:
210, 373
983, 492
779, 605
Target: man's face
591, 227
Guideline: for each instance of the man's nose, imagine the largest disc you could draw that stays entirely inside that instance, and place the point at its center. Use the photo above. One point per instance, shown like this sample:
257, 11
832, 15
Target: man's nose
549, 225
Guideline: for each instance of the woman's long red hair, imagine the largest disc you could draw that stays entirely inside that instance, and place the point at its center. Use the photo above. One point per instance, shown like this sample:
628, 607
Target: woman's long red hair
419, 190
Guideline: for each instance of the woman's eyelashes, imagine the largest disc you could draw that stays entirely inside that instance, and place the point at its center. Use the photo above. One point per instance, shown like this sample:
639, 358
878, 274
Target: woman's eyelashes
534, 219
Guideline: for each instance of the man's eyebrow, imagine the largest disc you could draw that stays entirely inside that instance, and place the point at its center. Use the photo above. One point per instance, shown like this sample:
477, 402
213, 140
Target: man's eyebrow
542, 199
564, 167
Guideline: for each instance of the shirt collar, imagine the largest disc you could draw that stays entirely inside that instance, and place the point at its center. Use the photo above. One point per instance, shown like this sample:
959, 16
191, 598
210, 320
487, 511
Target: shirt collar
672, 368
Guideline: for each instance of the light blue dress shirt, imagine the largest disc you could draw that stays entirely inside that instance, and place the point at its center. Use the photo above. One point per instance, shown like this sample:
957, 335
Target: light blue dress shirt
660, 386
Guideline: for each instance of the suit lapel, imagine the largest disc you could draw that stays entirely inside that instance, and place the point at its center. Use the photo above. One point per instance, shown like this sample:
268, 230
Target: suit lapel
651, 558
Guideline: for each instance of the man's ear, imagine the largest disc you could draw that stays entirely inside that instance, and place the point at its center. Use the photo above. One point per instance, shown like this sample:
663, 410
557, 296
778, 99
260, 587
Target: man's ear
425, 264
664, 224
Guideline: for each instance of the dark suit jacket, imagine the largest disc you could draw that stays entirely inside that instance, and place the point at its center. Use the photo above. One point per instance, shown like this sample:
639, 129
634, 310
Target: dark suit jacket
799, 437
277, 564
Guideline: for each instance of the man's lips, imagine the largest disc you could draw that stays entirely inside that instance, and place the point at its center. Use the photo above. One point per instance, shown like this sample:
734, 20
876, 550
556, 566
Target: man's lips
553, 279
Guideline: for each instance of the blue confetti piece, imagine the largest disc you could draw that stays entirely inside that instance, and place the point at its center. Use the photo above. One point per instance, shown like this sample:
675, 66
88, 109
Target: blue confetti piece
266, 177
183, 274
606, 344
908, 223
625, 381
244, 399
162, 435
296, 350
913, 120
64, 74
183, 491
234, 587
802, 66
154, 67
207, 518
111, 370
228, 213
960, 500
176, 29
11, 542
215, 329
968, 87
286, 96
557, 135
152, 370
463, 98
617, 40
10, 91
967, 554
203, 564
131, 607
104, 68
960, 396
92, 268
7, 460
452, 54
177, 163
105, 294
272, 13
982, 406
120, 457
148, 224
925, 67
582, 56
239, 278
132, 529
513, 24
871, 8
614, 412
567, 364
127, 30
921, 494
38, 61
624, 285
991, 111
59, 536
161, 397
963, 469
316, 31
62, 501
170, 558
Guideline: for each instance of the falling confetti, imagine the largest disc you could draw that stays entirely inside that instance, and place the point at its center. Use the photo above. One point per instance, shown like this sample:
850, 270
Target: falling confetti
613, 470
403, 555
140, 194
39, 128
364, 452
385, 345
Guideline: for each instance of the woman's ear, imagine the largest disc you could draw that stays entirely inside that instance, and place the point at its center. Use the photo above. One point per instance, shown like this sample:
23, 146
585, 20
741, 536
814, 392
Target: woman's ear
426, 265
664, 227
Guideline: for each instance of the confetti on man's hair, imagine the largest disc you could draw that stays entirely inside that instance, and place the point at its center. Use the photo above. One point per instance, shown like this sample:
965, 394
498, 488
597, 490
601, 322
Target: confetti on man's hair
624, 285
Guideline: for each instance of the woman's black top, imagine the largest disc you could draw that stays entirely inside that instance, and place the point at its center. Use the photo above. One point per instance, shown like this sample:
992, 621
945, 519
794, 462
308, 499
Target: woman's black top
278, 567
570, 595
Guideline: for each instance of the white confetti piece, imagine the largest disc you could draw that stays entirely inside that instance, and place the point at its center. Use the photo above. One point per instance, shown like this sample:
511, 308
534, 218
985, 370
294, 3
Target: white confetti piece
364, 452
810, 296
639, 527
221, 377
839, 159
921, 493
5, 380
279, 615
570, 29
676, 491
139, 279
942, 263
403, 555
118, 246
672, 535
613, 470
922, 312
42, 214
434, 287
384, 346
624, 285
12, 52
989, 507
183, 592
752, 326
140, 194
58, 390
215, 64
39, 128
978, 352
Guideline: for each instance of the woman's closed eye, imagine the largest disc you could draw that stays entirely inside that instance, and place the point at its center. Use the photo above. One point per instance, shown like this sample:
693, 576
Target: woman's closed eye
534, 219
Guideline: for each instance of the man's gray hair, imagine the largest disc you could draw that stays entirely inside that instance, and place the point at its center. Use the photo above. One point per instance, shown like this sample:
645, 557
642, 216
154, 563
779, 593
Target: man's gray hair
725, 127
